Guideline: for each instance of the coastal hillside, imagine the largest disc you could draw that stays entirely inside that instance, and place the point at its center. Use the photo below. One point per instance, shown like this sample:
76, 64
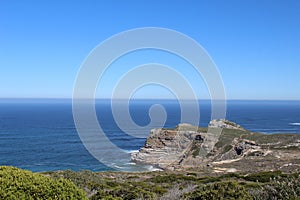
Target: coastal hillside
224, 146
222, 161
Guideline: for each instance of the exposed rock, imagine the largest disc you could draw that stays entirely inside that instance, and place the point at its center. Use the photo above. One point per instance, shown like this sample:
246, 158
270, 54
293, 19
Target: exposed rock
240, 148
225, 145
222, 123
220, 170
164, 147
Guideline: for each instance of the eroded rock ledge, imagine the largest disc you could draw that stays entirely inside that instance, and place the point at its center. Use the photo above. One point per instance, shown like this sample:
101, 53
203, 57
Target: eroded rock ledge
222, 146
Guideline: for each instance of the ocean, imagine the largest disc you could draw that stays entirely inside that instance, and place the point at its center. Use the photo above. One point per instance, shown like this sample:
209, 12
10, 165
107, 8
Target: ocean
40, 134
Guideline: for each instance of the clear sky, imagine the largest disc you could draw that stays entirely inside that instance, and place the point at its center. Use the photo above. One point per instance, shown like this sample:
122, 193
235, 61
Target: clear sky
254, 43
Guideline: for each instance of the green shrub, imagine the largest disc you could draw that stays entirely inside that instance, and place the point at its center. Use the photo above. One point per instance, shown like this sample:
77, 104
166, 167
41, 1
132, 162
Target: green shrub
172, 178
196, 152
282, 188
263, 177
209, 179
127, 192
220, 190
22, 184
231, 175
195, 149
227, 148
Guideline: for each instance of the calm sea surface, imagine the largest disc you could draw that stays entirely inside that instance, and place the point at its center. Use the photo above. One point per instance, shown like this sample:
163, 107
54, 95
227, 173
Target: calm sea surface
40, 135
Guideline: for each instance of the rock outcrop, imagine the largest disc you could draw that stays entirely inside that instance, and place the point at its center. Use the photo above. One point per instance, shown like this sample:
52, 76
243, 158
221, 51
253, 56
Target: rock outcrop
222, 145
166, 146
222, 123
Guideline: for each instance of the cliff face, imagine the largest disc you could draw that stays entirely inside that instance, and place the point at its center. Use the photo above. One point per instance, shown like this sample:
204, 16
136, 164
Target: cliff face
223, 146
165, 147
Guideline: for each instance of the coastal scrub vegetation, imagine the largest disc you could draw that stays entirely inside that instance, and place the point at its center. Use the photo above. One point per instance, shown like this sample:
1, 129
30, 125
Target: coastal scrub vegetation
185, 185
22, 184
190, 185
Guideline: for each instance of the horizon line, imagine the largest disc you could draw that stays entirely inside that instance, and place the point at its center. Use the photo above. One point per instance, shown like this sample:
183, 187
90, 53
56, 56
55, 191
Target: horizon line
67, 98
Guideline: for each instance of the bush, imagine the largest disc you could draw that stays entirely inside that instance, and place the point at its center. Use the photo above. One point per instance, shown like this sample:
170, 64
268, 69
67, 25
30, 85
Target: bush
227, 148
220, 190
263, 177
22, 184
126, 192
172, 178
283, 188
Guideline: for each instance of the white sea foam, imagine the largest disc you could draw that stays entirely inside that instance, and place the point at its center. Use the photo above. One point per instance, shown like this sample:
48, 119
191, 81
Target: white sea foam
152, 169
131, 163
131, 151
119, 167
295, 124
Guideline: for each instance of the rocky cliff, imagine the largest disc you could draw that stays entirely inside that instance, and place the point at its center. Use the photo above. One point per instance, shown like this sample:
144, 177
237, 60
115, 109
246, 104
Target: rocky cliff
223, 146
166, 146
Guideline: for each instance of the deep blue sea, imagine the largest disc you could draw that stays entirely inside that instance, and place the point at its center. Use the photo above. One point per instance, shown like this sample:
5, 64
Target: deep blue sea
40, 135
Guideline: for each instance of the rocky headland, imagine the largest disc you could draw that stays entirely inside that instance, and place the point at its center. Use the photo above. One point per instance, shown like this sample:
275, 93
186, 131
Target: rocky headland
223, 146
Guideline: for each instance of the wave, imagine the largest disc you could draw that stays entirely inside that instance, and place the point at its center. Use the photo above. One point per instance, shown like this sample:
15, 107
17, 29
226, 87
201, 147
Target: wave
295, 124
153, 169
130, 151
133, 167
119, 167
131, 163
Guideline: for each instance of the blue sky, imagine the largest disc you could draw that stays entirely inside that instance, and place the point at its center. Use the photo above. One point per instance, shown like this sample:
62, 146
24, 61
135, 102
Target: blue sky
255, 44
